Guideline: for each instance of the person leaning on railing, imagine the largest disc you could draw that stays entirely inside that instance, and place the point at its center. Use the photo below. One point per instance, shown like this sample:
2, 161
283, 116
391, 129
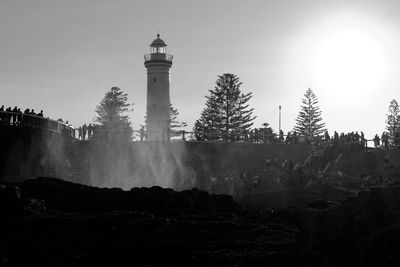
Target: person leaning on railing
2, 114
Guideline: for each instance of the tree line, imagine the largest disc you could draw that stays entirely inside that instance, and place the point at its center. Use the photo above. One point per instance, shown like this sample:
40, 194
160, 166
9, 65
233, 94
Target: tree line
227, 115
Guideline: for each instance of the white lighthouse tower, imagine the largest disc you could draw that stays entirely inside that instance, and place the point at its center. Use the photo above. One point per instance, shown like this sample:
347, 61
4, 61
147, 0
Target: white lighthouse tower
158, 63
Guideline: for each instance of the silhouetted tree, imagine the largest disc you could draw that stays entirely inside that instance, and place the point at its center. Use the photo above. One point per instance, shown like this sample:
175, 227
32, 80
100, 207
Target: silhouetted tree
226, 115
176, 125
111, 114
393, 120
309, 121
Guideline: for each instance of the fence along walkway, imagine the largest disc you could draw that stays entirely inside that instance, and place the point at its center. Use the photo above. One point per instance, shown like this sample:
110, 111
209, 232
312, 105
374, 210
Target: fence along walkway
34, 121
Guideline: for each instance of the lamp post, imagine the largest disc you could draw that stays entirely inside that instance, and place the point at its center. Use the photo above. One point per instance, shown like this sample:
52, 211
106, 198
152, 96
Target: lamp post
280, 108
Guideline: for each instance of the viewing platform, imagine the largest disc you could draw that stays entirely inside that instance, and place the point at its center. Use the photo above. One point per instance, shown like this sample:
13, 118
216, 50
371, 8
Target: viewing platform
17, 119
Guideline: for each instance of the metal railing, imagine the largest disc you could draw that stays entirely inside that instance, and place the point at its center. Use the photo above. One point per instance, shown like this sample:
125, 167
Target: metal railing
18, 119
158, 57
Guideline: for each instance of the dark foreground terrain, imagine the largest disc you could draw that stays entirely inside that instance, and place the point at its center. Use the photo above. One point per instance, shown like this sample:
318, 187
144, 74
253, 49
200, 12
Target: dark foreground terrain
50, 222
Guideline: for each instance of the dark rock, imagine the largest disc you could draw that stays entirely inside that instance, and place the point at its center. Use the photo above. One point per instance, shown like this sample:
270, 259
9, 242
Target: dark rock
85, 225
72, 197
10, 199
321, 204
14, 202
10, 193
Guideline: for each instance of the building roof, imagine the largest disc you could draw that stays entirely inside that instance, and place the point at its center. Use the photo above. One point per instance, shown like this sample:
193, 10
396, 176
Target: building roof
158, 42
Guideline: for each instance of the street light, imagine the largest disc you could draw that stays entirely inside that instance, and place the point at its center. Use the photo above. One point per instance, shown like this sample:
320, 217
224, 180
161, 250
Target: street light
280, 108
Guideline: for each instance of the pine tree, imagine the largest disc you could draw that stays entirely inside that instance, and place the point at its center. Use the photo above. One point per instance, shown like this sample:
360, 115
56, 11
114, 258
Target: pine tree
226, 115
176, 126
111, 114
309, 121
393, 120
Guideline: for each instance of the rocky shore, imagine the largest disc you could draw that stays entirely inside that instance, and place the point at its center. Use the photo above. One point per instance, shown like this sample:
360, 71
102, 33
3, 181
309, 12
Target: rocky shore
50, 222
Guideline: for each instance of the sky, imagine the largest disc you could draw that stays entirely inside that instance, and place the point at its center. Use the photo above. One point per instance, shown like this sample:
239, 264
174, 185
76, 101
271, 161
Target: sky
62, 56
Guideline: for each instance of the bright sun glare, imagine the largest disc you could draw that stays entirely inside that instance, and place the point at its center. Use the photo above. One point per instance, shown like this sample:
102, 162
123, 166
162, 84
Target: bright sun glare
349, 61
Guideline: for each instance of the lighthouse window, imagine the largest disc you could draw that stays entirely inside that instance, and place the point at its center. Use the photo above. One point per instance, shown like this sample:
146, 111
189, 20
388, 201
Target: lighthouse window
154, 79
160, 50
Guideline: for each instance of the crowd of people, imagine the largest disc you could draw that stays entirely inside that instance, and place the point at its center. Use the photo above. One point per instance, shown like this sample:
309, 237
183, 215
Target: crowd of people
383, 141
29, 118
293, 137
89, 131
85, 132
15, 116
353, 140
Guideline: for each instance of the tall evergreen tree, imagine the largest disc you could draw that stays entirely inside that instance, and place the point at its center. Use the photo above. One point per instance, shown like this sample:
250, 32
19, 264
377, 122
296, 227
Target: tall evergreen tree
309, 121
227, 114
176, 125
393, 120
111, 113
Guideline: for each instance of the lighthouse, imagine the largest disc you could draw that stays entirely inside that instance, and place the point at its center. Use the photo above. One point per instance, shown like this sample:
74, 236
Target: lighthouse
158, 64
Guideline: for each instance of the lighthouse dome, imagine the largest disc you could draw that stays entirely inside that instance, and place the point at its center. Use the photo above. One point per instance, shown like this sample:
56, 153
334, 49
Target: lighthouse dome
158, 42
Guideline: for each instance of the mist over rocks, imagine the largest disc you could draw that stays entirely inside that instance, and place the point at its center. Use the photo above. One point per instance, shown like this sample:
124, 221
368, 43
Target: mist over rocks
29, 153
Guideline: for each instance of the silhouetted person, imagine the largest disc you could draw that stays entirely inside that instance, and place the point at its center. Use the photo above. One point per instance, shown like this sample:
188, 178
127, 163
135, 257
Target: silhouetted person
183, 135
385, 140
294, 137
19, 116
84, 130
25, 119
90, 131
142, 133
80, 133
362, 139
14, 115
376, 141
288, 138
33, 119
281, 138
357, 137
8, 110
335, 138
326, 136
2, 115
40, 114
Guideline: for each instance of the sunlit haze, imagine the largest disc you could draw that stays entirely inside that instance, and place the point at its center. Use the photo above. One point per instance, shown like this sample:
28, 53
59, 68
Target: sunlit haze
62, 56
